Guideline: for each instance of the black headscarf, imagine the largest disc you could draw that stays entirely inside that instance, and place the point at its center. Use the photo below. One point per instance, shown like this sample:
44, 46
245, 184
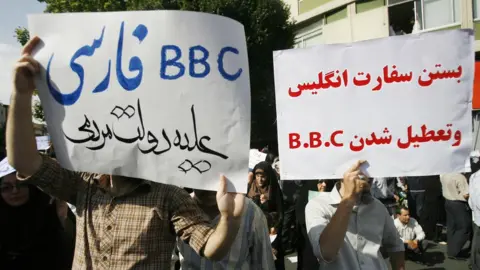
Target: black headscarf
32, 231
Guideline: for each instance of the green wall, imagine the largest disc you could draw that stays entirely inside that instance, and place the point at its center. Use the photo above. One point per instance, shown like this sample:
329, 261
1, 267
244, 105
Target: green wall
307, 5
366, 5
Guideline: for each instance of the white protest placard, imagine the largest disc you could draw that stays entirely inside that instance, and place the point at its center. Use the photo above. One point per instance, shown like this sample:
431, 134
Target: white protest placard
157, 95
5, 168
402, 103
43, 142
255, 158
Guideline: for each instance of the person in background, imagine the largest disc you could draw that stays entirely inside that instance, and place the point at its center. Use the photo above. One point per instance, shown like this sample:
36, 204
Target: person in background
125, 222
31, 235
383, 189
411, 234
415, 195
433, 206
351, 207
459, 216
265, 191
251, 249
474, 202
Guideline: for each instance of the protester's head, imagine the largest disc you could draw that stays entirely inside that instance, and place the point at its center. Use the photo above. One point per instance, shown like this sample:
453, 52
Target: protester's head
205, 197
403, 214
263, 173
322, 185
14, 193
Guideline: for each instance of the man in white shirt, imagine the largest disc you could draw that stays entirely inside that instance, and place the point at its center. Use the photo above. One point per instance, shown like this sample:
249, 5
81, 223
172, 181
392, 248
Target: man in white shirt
411, 234
251, 249
347, 227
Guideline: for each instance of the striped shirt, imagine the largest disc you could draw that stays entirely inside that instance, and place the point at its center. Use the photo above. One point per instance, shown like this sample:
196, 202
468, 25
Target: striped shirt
250, 251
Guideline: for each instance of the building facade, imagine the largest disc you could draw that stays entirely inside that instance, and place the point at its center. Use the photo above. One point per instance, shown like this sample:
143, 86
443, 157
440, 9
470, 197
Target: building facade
344, 21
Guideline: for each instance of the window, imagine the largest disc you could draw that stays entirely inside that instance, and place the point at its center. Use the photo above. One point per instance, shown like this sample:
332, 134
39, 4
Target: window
476, 9
437, 13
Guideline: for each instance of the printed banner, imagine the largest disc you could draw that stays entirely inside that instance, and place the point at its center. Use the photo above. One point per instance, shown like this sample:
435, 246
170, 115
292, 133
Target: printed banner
157, 95
402, 103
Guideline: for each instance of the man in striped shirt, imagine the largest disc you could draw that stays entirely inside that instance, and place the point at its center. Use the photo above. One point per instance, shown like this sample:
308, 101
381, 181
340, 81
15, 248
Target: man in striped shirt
251, 249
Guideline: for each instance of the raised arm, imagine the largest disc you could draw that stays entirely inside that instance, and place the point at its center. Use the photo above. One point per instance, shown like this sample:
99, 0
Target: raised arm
327, 237
22, 152
192, 226
21, 146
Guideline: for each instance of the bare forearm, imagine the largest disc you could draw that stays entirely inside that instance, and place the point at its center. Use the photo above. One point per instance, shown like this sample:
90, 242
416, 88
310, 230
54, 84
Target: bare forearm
219, 243
332, 237
397, 260
21, 145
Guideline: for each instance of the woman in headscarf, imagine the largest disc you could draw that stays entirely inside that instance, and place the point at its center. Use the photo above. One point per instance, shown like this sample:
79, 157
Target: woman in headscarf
264, 190
31, 235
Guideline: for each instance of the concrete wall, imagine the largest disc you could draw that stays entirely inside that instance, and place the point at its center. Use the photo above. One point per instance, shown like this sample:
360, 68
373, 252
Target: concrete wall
370, 24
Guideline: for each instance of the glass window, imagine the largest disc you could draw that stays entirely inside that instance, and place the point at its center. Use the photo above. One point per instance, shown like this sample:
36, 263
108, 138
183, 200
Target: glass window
313, 40
438, 13
476, 9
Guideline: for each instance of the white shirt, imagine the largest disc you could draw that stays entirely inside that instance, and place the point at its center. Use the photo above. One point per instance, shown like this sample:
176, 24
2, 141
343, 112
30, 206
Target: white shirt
474, 200
410, 231
369, 228
251, 249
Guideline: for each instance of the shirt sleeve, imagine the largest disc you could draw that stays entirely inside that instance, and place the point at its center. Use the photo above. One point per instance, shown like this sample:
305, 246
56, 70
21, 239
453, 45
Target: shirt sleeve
262, 255
396, 223
189, 221
57, 181
419, 234
462, 185
391, 238
316, 220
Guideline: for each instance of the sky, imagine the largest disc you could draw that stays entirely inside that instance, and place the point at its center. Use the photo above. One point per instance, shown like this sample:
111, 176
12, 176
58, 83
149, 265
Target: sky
13, 13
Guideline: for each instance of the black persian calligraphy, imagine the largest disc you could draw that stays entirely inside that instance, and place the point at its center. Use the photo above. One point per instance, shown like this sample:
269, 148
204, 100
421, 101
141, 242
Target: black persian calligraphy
92, 133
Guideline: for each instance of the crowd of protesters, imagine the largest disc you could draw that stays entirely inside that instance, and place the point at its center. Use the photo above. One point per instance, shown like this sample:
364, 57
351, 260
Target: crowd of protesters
124, 223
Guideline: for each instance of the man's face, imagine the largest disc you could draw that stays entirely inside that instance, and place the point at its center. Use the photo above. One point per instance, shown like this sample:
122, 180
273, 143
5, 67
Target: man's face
261, 178
404, 216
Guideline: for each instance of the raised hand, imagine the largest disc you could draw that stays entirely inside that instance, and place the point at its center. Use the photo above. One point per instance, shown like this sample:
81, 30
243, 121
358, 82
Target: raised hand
229, 204
352, 181
25, 69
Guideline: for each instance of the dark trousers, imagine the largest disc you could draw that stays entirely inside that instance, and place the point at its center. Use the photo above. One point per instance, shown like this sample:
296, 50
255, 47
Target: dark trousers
459, 227
432, 213
289, 233
475, 256
306, 258
415, 203
416, 254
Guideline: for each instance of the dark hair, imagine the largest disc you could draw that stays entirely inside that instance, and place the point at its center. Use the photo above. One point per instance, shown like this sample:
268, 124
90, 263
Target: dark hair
399, 209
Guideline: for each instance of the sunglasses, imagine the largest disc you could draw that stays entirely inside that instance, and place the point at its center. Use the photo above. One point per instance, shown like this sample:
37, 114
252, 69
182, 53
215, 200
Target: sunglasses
8, 188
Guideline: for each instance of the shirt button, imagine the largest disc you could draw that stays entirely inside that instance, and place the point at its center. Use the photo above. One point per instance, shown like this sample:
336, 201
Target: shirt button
104, 258
109, 228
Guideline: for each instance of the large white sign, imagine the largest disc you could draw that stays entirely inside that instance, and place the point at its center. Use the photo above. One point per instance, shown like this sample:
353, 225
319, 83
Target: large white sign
160, 95
402, 103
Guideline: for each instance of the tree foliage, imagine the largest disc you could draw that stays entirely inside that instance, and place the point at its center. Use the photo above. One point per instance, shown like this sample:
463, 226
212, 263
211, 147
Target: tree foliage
267, 28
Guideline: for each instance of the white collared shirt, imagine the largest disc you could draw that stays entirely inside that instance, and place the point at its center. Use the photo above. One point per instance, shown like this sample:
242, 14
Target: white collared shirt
370, 227
410, 231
